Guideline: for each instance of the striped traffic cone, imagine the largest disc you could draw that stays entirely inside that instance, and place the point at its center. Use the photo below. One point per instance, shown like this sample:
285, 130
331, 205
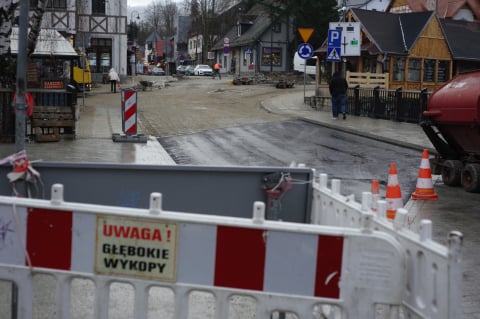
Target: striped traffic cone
394, 194
424, 189
375, 190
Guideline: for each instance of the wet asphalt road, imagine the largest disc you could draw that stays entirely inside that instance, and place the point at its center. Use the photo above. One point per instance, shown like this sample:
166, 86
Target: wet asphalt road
353, 159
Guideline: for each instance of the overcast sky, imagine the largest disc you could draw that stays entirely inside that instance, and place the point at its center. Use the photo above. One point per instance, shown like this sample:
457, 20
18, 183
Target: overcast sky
138, 3
143, 3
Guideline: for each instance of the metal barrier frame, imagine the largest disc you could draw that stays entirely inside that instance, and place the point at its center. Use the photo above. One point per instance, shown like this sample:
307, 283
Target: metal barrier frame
359, 289
207, 190
434, 273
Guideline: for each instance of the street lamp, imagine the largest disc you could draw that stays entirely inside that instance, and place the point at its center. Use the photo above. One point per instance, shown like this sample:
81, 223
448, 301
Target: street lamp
131, 15
133, 30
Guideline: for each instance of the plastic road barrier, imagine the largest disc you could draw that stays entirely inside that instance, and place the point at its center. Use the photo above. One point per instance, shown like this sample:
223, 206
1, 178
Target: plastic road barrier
298, 268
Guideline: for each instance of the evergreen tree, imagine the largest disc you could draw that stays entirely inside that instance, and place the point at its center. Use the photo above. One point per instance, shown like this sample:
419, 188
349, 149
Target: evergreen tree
316, 14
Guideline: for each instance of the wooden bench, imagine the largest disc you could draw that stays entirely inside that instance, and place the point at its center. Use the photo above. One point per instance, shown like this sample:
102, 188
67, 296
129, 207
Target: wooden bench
52, 123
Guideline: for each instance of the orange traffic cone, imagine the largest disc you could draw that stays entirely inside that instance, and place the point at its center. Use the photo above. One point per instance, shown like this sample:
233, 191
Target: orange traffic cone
375, 190
394, 194
424, 189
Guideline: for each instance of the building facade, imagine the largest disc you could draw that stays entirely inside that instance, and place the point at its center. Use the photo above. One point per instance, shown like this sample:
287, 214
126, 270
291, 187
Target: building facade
257, 43
96, 27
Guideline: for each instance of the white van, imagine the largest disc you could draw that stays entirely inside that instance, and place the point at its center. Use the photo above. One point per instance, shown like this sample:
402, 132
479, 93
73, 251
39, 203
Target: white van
299, 64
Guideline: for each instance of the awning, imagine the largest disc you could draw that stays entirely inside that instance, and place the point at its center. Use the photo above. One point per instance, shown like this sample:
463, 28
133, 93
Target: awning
49, 42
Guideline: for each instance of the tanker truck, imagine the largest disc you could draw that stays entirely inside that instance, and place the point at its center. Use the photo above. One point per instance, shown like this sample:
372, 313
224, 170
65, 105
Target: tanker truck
452, 123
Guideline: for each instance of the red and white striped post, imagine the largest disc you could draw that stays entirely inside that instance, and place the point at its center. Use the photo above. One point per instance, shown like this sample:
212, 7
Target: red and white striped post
129, 111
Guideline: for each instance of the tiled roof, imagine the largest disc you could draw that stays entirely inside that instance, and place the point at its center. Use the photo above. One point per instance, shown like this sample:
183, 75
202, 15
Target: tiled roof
462, 38
392, 33
446, 8
259, 21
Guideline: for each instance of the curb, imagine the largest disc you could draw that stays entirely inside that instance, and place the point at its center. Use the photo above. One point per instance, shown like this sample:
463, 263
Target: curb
353, 131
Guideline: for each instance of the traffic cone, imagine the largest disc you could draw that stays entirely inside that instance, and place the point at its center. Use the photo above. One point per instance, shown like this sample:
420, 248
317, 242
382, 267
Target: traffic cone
424, 189
394, 194
375, 190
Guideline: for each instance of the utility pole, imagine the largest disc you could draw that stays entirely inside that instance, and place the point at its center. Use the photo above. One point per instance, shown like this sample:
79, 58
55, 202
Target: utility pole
21, 85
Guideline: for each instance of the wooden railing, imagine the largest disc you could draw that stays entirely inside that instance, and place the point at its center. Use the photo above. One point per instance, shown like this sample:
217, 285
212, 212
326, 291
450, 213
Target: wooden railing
367, 79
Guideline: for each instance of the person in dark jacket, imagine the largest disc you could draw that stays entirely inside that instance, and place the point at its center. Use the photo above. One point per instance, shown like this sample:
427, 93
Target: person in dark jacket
338, 90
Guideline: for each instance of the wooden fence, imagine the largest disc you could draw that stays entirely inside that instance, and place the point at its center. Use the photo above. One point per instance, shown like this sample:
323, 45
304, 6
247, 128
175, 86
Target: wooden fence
367, 79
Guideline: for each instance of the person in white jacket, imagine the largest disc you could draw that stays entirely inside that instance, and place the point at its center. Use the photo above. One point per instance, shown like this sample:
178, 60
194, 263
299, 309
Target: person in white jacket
113, 76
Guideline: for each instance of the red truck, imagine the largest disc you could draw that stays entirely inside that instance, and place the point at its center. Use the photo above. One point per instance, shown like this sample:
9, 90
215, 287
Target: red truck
453, 126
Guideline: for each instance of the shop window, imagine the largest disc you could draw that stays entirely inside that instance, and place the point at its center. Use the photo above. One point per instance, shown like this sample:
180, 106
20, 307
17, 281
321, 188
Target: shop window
414, 70
92, 59
429, 70
369, 65
277, 27
100, 55
399, 69
272, 56
443, 71
386, 64
105, 61
98, 6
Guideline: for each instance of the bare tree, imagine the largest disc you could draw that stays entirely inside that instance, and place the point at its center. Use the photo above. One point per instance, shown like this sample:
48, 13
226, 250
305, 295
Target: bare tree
208, 11
153, 17
35, 25
169, 13
7, 16
7, 12
184, 8
161, 16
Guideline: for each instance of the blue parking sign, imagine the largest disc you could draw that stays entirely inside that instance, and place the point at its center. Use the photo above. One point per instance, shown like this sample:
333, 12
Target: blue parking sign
334, 38
334, 45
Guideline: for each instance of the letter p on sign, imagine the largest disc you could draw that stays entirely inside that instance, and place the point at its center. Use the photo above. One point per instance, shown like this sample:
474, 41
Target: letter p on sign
334, 38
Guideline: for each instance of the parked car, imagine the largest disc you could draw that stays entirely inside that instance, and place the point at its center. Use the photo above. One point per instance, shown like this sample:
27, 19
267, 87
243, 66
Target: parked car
147, 69
203, 69
181, 69
158, 71
189, 70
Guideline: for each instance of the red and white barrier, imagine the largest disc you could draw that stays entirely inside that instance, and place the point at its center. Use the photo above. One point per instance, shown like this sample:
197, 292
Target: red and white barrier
283, 266
434, 272
129, 111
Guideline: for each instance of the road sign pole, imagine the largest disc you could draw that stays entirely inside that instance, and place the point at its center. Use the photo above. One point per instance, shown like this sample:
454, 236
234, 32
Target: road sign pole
304, 79
305, 51
305, 33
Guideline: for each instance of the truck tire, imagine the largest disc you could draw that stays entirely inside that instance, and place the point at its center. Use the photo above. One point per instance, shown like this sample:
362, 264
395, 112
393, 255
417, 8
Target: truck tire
436, 166
452, 172
471, 178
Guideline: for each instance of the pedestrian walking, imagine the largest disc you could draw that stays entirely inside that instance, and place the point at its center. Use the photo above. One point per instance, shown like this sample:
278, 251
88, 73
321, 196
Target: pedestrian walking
216, 70
338, 90
113, 77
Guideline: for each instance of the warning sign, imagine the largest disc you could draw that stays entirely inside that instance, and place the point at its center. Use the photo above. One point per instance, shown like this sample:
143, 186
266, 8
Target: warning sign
305, 33
133, 247
333, 55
